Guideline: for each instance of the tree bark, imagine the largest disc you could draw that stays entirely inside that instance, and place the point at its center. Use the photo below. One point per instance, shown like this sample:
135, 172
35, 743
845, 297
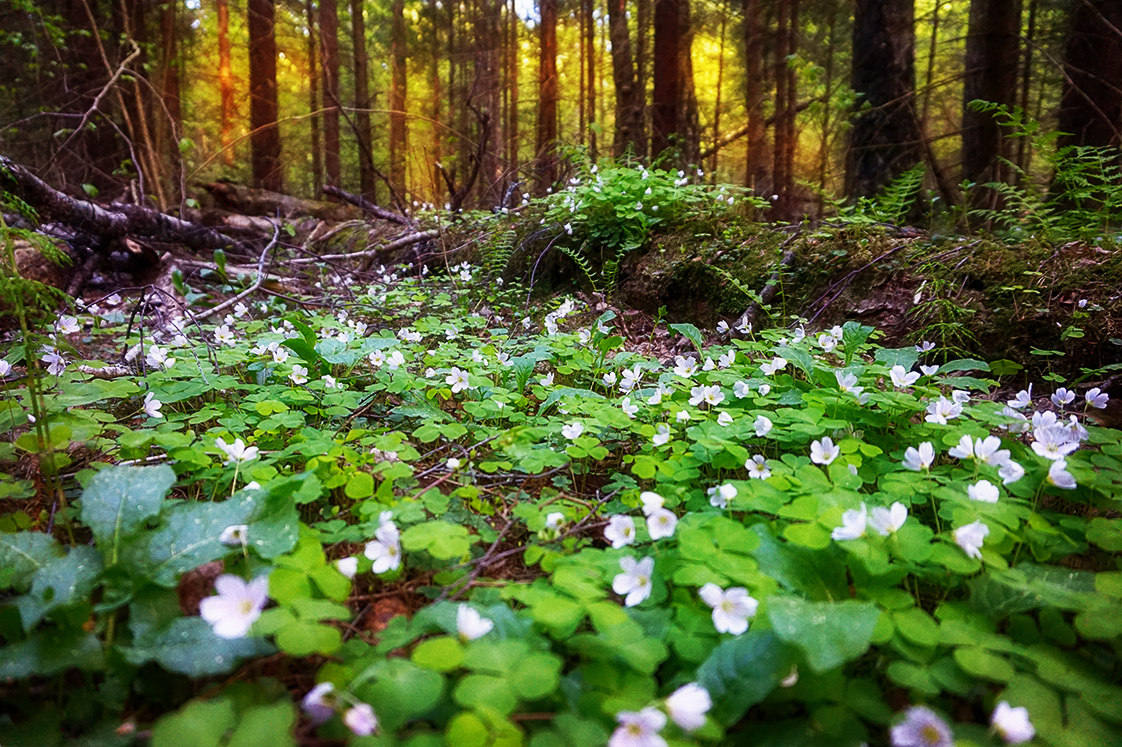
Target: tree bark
756, 163
264, 139
363, 134
489, 94
884, 140
313, 98
547, 98
329, 43
991, 75
629, 133
398, 144
780, 182
225, 83
667, 95
1091, 106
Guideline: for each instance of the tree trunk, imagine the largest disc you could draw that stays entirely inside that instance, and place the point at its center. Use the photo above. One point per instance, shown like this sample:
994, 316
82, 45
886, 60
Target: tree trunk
313, 99
436, 114
629, 100
667, 95
779, 185
225, 83
689, 128
547, 98
1024, 147
1091, 106
363, 134
329, 43
991, 75
264, 139
489, 96
398, 143
884, 140
792, 112
642, 61
590, 76
514, 57
756, 163
172, 122
720, 81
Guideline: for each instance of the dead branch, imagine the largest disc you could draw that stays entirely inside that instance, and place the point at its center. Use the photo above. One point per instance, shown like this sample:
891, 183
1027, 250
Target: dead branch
362, 202
406, 240
114, 222
256, 283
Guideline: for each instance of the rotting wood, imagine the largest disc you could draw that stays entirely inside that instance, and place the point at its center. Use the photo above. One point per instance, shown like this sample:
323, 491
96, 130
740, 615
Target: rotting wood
109, 222
262, 202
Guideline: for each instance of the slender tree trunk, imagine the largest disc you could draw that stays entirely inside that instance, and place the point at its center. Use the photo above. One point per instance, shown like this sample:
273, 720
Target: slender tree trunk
590, 75
884, 140
489, 96
629, 108
720, 81
265, 143
225, 83
667, 96
1091, 106
689, 128
398, 135
170, 123
1024, 146
514, 58
329, 44
313, 99
756, 163
547, 99
991, 75
643, 60
792, 111
366, 179
828, 84
929, 85
436, 113
779, 153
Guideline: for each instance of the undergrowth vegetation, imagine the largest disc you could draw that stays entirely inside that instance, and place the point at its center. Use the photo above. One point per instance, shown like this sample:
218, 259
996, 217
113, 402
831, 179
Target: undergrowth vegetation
771, 538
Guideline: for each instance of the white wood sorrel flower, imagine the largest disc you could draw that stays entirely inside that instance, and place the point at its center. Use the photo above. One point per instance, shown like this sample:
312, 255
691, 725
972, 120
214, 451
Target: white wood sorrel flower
634, 584
921, 727
731, 609
1012, 724
688, 705
639, 729
237, 605
971, 537
385, 550
470, 624
237, 451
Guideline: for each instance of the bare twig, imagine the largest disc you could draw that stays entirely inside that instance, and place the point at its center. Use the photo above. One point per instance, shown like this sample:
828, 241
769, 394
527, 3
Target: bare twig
256, 283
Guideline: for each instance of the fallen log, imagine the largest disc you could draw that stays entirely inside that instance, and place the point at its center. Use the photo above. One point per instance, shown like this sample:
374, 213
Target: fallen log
115, 221
262, 202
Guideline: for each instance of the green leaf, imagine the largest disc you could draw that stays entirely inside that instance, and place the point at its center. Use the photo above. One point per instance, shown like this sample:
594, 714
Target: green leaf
22, 554
442, 539
200, 723
486, 691
188, 646
268, 725
52, 651
119, 502
741, 672
964, 364
190, 534
439, 654
60, 582
691, 333
978, 662
905, 357
828, 633
400, 689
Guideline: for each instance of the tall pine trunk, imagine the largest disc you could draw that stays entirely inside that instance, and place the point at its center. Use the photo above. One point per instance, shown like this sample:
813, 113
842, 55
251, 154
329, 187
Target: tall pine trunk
225, 83
756, 162
329, 46
991, 75
398, 143
363, 134
884, 141
629, 133
547, 98
313, 98
264, 139
1091, 107
667, 95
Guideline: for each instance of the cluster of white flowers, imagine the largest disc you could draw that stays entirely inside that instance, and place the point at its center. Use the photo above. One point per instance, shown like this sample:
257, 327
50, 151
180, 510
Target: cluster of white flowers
922, 727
